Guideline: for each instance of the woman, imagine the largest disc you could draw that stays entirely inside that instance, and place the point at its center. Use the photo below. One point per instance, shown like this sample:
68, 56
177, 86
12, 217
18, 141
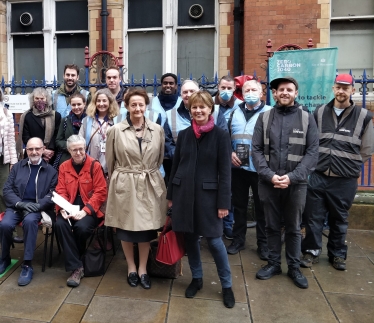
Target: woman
8, 155
199, 191
83, 186
69, 126
40, 121
100, 114
136, 201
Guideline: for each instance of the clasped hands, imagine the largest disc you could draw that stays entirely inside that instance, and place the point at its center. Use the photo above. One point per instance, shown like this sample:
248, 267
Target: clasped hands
48, 154
75, 216
281, 181
28, 206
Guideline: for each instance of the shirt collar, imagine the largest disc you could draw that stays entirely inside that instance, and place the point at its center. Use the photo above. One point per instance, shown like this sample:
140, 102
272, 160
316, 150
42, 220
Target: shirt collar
39, 162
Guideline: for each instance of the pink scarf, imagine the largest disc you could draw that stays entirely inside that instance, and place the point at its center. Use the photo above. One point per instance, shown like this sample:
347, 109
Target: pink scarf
198, 130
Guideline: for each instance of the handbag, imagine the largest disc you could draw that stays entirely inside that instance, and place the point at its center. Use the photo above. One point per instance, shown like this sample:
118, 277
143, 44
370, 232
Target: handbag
158, 269
170, 245
94, 261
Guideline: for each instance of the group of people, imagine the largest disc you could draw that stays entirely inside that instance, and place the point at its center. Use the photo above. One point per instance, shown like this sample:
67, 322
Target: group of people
194, 153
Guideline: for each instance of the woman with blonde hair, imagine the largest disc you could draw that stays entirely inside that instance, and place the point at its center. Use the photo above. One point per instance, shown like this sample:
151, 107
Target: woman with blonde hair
100, 114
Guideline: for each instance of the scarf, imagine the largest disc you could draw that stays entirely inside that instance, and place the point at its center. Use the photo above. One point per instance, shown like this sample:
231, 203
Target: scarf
168, 100
48, 120
198, 130
76, 121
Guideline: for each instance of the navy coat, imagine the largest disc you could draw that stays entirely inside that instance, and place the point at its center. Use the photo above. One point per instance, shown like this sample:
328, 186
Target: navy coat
200, 181
15, 186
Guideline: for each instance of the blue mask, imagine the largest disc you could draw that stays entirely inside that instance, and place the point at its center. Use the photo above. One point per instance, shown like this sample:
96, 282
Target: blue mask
225, 95
251, 99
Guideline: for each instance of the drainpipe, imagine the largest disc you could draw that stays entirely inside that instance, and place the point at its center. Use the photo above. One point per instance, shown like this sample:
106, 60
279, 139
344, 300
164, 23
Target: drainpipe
237, 19
104, 26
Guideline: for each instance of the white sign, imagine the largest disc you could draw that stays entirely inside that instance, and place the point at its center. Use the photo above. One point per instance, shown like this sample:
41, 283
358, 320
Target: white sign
18, 103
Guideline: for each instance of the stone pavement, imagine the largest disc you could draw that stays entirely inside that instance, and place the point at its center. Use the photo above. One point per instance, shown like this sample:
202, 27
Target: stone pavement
332, 296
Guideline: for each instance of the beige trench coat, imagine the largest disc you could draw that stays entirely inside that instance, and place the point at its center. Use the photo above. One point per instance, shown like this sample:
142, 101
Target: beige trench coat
137, 192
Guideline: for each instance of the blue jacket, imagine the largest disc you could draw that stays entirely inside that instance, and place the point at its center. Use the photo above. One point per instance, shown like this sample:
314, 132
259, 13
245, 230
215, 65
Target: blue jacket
14, 187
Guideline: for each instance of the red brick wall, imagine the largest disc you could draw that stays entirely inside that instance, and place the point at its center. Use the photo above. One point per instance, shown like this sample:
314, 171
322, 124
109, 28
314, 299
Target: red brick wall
110, 26
282, 21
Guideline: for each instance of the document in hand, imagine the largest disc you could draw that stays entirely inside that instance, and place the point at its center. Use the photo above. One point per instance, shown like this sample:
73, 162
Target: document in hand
66, 205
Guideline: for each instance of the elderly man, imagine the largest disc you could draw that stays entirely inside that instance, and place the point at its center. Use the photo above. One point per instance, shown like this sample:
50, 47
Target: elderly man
61, 102
346, 142
285, 152
27, 192
73, 230
244, 176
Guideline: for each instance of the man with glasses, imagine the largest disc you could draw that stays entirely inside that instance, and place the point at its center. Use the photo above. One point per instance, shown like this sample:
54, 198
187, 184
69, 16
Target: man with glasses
27, 192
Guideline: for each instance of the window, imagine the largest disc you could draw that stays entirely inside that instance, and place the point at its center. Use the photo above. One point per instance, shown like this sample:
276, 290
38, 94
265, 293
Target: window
162, 36
45, 36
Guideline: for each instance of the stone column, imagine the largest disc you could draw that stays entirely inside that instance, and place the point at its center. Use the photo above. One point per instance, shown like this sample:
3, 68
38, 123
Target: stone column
323, 24
226, 37
3, 41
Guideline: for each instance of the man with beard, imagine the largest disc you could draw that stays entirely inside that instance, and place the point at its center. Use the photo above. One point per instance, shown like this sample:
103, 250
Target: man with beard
27, 192
345, 143
284, 152
168, 97
113, 83
69, 87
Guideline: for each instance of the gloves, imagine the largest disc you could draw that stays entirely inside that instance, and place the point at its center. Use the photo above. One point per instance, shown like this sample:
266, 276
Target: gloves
32, 207
22, 205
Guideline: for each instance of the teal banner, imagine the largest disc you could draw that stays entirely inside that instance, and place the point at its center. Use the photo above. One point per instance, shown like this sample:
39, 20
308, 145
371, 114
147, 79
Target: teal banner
313, 69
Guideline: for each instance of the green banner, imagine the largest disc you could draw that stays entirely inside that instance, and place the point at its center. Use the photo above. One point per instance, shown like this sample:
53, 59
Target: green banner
313, 69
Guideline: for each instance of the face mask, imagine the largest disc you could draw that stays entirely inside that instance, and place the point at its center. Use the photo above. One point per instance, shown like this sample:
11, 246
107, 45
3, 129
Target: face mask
251, 98
40, 105
225, 95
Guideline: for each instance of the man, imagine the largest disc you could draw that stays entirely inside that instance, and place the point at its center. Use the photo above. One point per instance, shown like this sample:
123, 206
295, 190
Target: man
345, 143
113, 83
226, 103
27, 192
179, 119
168, 97
69, 87
241, 126
285, 151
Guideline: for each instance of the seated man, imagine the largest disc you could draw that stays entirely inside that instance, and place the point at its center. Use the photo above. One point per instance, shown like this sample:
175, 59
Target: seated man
27, 192
81, 181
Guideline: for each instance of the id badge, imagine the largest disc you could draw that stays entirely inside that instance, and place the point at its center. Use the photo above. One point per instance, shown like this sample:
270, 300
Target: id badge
102, 146
242, 152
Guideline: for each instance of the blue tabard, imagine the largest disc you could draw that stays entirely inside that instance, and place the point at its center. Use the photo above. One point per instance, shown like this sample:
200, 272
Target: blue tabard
227, 112
60, 105
156, 106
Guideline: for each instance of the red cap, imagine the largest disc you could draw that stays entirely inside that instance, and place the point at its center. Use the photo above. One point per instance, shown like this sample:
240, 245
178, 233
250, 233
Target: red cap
345, 79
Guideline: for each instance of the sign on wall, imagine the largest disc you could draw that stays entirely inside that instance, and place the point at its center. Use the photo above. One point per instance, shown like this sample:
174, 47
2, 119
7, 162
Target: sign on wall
17, 103
313, 69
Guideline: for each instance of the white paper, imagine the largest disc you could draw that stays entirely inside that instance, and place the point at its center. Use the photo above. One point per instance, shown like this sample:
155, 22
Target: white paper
66, 205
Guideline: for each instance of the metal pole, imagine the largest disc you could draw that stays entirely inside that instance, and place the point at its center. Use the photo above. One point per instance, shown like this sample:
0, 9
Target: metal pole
237, 17
104, 27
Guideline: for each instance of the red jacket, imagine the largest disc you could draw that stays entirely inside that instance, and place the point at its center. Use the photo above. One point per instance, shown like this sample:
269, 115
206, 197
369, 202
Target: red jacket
69, 181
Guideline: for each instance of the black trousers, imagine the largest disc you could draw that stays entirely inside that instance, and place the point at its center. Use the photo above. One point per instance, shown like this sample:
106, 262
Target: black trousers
74, 238
288, 204
334, 195
241, 181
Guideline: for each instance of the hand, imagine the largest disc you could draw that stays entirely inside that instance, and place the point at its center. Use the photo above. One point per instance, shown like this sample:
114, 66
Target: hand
170, 204
235, 160
46, 159
64, 214
22, 205
79, 215
48, 153
222, 213
281, 181
32, 207
10, 166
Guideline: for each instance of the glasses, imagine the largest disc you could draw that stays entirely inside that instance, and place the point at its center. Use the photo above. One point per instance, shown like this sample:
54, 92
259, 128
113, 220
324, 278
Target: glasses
37, 149
76, 151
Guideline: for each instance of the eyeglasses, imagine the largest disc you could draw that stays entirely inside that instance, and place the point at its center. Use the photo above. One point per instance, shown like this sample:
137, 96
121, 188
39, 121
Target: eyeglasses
78, 150
37, 149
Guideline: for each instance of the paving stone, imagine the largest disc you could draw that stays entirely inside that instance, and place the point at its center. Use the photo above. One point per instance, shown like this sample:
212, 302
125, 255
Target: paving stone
355, 280
365, 240
279, 300
212, 288
69, 313
14, 320
195, 310
115, 283
352, 308
102, 310
85, 291
39, 300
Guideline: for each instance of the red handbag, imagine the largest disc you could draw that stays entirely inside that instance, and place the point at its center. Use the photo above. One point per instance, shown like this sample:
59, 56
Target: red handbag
170, 245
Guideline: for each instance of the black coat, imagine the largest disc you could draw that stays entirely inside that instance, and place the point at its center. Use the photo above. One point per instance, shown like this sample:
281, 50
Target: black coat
62, 137
200, 181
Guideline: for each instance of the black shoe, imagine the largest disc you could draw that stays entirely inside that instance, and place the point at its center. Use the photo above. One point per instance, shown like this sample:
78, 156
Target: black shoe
227, 232
133, 279
228, 297
18, 239
195, 285
4, 264
263, 253
235, 247
338, 263
307, 260
268, 271
145, 281
298, 278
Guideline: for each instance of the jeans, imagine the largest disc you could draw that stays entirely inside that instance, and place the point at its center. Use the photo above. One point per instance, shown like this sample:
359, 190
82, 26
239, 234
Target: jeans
228, 220
219, 253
